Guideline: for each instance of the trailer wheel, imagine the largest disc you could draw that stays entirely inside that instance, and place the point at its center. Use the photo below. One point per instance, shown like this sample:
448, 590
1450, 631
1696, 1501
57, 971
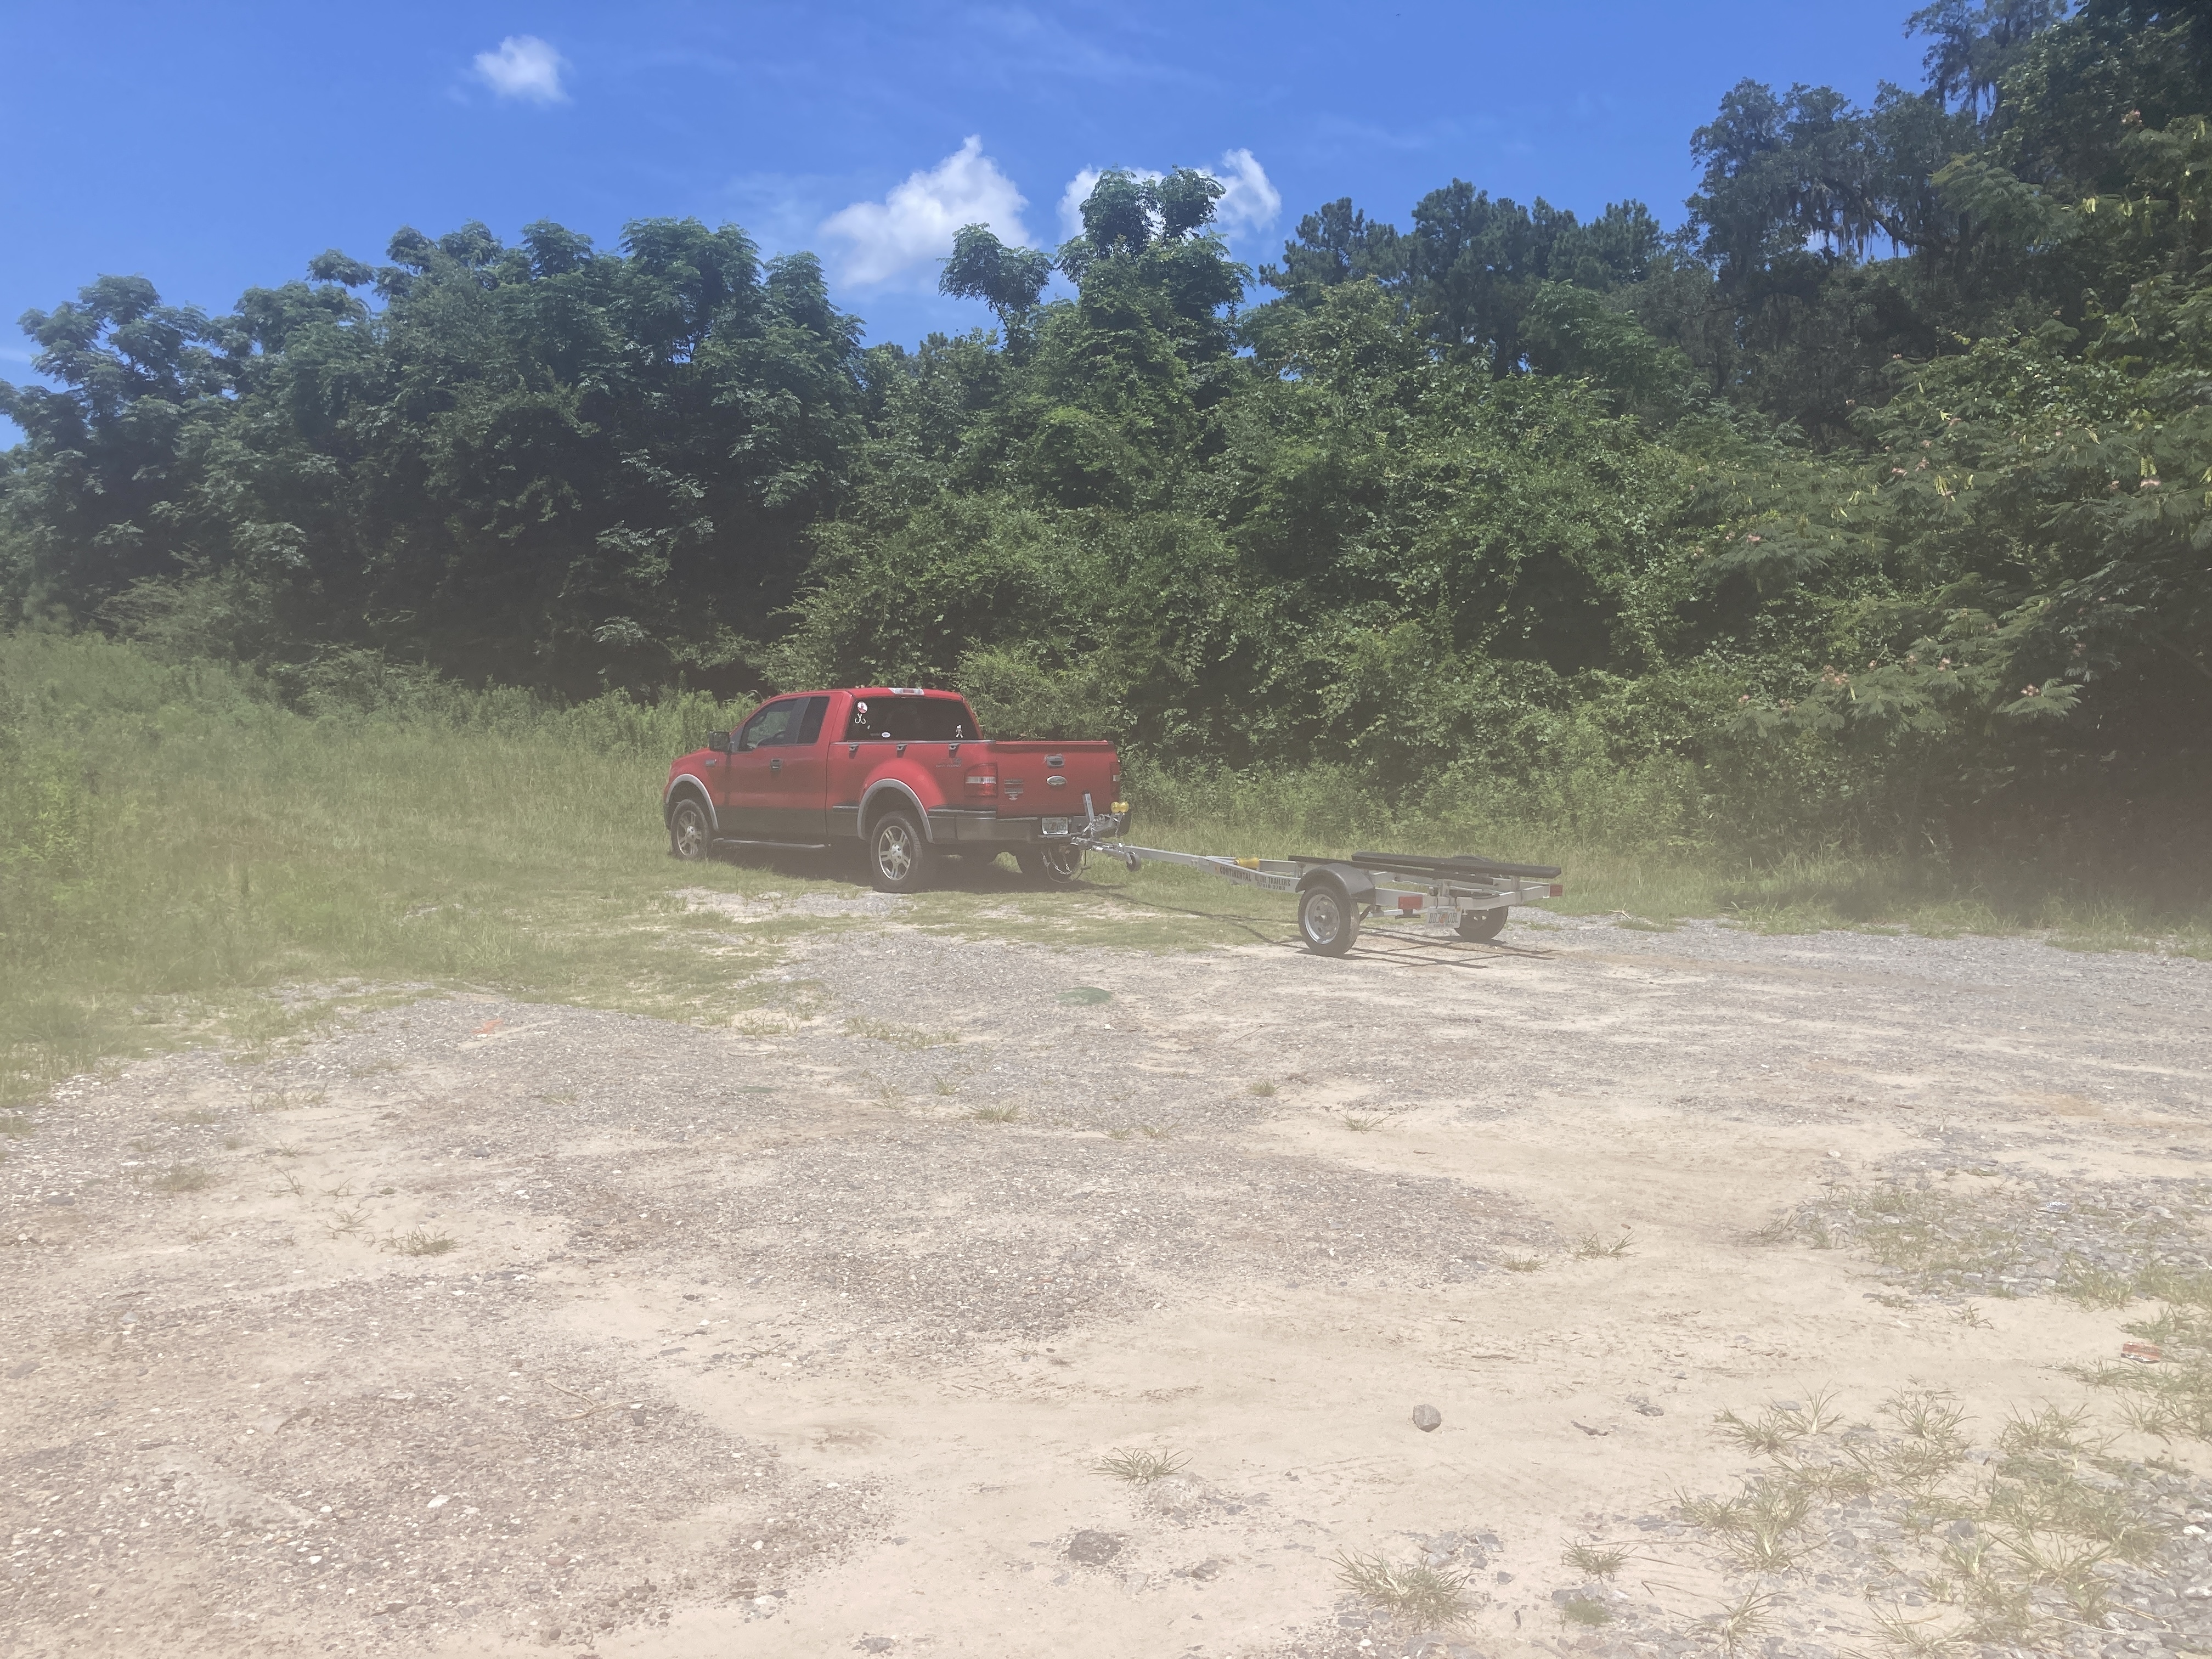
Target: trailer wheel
898, 857
1482, 925
1053, 866
1328, 920
688, 837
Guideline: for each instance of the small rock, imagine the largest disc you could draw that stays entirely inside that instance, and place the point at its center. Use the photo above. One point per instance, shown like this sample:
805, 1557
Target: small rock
1093, 1549
1427, 1419
23, 1370
1644, 1407
876, 1644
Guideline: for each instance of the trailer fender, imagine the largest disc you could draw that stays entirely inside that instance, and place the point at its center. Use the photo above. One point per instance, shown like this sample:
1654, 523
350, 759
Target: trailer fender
1356, 885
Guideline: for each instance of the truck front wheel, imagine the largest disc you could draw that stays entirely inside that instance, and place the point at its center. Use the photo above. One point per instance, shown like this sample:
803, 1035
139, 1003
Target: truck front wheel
1328, 920
1481, 926
898, 857
689, 836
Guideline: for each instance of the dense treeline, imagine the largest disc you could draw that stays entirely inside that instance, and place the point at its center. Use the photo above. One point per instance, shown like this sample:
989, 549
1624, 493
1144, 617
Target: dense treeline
1873, 504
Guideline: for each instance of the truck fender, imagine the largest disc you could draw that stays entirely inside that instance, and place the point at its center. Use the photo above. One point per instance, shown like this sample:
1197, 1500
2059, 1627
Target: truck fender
686, 784
873, 804
1356, 885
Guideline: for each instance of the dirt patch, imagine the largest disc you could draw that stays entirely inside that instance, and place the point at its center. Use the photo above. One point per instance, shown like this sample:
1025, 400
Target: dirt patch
969, 1293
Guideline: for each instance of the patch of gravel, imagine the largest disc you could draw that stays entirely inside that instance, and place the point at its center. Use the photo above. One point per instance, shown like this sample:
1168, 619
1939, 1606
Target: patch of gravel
437, 1459
766, 907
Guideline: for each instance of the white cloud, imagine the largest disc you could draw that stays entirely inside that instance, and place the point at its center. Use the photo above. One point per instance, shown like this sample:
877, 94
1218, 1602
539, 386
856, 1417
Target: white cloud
523, 67
1251, 202
913, 225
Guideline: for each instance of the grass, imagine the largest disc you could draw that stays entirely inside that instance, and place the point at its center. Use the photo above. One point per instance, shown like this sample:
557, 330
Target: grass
1622, 853
2005, 1549
1590, 1246
1142, 1466
1520, 1264
1596, 1560
176, 846
995, 1114
422, 1242
484, 841
1265, 1091
183, 1178
1421, 1595
899, 1037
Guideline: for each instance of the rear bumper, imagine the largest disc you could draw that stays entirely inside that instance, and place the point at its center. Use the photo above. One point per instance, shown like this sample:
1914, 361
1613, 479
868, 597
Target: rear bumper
960, 827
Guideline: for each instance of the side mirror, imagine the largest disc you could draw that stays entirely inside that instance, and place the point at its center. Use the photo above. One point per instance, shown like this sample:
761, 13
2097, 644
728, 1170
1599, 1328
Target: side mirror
719, 742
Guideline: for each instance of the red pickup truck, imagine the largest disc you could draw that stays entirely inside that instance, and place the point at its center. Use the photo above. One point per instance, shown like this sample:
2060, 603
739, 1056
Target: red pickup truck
903, 773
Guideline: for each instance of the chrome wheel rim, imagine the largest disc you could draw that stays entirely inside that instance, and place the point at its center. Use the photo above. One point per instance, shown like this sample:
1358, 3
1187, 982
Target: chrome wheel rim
690, 832
895, 852
1324, 921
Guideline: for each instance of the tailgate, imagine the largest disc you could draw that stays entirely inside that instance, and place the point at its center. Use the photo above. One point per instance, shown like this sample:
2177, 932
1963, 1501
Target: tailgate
1026, 771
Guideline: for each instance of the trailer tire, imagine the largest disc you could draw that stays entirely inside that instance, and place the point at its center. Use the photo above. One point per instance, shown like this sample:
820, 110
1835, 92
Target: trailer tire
1328, 922
898, 854
1055, 867
1482, 925
690, 836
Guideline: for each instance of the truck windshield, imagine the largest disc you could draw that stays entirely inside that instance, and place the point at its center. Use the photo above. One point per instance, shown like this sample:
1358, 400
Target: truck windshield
911, 719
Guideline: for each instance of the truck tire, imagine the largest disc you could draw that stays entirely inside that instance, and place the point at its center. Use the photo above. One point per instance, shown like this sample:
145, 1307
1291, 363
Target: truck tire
1482, 925
1328, 920
1055, 867
690, 837
898, 856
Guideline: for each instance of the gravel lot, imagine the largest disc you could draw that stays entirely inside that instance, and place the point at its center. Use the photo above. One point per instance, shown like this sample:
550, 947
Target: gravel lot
473, 1326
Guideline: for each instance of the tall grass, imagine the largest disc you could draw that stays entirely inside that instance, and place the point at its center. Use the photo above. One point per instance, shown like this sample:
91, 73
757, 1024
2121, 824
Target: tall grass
173, 836
1627, 843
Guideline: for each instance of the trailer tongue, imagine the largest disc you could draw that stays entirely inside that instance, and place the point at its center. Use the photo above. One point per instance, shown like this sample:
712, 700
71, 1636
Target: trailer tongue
1466, 895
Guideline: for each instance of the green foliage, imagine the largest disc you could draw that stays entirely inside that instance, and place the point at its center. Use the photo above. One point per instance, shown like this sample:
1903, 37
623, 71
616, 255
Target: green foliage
1866, 514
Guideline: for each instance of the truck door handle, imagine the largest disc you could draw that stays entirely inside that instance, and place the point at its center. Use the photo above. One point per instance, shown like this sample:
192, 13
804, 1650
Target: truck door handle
776, 765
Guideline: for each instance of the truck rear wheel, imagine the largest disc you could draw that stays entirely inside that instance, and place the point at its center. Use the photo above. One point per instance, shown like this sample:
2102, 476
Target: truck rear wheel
898, 857
1482, 925
1328, 922
1055, 867
689, 836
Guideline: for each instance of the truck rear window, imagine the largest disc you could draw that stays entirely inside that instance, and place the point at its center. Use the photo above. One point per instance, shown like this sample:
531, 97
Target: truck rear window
911, 719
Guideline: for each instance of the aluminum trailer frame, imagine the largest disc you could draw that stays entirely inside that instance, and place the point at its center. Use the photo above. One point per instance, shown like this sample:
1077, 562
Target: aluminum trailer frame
1467, 896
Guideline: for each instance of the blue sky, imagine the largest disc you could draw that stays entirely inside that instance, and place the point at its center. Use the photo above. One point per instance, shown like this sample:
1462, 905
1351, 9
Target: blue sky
212, 146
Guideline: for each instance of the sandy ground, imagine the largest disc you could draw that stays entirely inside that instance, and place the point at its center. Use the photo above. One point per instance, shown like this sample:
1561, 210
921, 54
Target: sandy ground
809, 1337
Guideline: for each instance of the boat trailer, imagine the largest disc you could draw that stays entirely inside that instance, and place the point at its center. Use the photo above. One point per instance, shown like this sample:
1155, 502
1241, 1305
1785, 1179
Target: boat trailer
1466, 896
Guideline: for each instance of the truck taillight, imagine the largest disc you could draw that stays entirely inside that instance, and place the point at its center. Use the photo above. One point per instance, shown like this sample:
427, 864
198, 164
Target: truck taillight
982, 781
1557, 891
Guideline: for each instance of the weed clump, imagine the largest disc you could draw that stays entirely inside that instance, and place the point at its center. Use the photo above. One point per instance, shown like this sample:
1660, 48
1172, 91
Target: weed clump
1421, 1594
1595, 1560
422, 1242
1142, 1466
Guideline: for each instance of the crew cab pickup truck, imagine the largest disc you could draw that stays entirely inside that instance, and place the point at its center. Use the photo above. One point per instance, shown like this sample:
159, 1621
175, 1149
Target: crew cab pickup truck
901, 772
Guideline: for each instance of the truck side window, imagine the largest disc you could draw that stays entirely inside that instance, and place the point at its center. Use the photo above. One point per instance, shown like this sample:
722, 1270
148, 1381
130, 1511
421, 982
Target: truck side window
809, 724
772, 725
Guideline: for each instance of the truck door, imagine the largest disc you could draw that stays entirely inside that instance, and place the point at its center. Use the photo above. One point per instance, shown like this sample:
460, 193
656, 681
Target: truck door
794, 796
754, 747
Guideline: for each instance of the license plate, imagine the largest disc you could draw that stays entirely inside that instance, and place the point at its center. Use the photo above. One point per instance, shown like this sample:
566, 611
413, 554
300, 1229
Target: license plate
1055, 826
